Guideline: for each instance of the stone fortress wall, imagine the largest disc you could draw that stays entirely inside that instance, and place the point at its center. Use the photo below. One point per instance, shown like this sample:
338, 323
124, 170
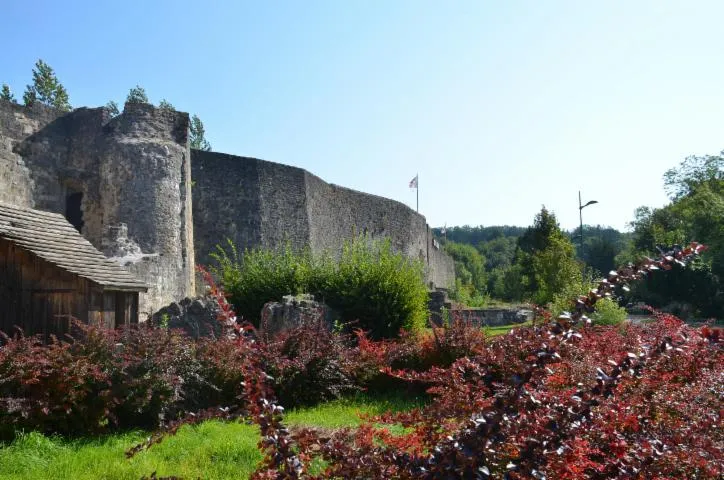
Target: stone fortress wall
133, 169
255, 203
134, 180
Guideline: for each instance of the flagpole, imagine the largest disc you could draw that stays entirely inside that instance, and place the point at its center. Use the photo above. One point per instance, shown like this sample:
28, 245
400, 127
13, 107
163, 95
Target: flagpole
417, 192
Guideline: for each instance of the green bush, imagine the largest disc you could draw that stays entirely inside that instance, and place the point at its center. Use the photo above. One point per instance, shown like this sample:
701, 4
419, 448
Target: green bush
467, 295
258, 276
383, 290
370, 285
608, 313
564, 300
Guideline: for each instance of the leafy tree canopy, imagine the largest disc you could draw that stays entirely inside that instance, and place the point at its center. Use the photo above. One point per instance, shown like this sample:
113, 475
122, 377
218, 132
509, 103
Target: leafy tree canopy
694, 172
165, 105
696, 213
476, 235
197, 135
546, 261
469, 265
539, 236
601, 246
498, 252
46, 89
6, 94
112, 108
137, 95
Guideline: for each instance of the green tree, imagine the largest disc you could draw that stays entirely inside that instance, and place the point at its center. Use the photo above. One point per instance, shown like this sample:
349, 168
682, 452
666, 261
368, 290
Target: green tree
46, 88
696, 213
513, 285
166, 105
6, 94
692, 173
476, 235
137, 95
547, 261
112, 108
602, 245
197, 135
496, 283
538, 236
557, 273
498, 252
469, 265
470, 275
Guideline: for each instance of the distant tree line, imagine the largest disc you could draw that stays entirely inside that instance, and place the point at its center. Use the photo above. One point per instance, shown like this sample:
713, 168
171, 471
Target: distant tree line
478, 235
601, 246
46, 89
511, 263
544, 264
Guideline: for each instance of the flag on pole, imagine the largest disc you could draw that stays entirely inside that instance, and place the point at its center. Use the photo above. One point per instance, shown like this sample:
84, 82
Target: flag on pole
413, 184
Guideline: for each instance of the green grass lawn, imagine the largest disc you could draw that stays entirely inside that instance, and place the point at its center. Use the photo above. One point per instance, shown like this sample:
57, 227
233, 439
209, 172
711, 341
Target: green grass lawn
212, 450
503, 329
499, 330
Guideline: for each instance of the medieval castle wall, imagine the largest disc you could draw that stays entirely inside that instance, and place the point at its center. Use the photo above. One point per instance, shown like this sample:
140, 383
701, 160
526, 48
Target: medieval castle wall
136, 169
133, 169
256, 203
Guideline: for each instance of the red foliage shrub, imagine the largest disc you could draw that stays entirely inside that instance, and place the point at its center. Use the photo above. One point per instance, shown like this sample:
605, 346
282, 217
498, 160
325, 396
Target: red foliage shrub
557, 401
647, 407
54, 387
141, 377
309, 364
562, 400
438, 347
444, 344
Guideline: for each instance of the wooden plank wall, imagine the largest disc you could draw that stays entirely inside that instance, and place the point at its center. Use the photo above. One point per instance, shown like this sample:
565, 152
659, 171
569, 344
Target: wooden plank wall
41, 298
126, 308
38, 296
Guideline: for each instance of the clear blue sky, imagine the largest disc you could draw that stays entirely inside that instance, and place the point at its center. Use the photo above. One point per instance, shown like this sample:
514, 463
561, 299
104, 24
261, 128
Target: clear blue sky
500, 106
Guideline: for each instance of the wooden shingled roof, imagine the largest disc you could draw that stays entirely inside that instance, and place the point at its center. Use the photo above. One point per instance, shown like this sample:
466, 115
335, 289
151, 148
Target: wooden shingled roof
52, 238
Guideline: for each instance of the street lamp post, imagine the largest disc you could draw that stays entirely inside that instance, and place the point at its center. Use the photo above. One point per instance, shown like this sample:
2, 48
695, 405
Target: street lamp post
580, 215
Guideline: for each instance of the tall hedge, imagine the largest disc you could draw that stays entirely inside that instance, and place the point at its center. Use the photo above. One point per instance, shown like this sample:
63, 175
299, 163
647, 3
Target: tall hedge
370, 285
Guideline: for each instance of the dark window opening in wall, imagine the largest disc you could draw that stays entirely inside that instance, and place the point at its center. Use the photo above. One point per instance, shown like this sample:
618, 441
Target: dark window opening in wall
73, 213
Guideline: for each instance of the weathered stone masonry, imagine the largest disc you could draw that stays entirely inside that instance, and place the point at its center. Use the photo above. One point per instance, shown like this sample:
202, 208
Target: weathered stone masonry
258, 203
127, 184
133, 169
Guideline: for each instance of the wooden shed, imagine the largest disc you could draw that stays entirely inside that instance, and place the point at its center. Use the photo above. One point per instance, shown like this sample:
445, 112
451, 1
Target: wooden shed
50, 274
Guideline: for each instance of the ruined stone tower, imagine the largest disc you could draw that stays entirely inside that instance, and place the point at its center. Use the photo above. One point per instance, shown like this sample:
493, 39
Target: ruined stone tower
101, 173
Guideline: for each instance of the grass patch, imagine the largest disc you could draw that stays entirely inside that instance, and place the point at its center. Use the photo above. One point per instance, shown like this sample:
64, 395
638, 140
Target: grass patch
346, 412
211, 450
503, 329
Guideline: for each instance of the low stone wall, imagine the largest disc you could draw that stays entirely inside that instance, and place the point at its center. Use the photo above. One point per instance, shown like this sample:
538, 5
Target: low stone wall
492, 317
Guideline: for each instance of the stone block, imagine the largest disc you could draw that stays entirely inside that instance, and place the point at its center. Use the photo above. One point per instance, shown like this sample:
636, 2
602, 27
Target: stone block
294, 311
197, 317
